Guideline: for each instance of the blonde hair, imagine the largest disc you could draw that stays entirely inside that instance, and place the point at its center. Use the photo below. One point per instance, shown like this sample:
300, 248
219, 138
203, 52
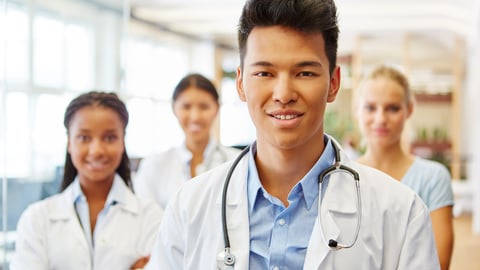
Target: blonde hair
390, 72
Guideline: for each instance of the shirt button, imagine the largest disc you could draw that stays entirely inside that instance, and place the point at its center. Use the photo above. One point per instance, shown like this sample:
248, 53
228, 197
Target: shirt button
281, 222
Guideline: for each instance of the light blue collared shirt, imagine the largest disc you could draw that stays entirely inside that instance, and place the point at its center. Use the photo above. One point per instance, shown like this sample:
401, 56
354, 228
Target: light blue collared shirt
279, 236
116, 195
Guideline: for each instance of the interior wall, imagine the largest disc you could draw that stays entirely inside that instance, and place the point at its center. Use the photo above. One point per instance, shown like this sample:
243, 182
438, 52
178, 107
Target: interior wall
472, 110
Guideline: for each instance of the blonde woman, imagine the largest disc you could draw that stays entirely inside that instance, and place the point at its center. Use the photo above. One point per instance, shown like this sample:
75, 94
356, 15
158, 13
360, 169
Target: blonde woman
383, 104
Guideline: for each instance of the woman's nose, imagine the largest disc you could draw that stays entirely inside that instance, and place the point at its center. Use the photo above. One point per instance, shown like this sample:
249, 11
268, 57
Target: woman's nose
380, 115
96, 147
194, 113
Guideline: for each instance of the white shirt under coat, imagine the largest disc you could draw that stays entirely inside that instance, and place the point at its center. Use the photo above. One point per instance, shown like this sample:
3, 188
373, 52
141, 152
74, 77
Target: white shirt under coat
160, 175
50, 236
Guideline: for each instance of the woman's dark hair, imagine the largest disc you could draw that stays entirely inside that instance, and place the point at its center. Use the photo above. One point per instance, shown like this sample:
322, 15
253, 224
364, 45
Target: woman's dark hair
195, 80
100, 99
307, 16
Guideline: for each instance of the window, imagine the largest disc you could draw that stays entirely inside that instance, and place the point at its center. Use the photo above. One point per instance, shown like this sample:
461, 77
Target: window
49, 135
62, 54
17, 135
79, 58
14, 49
153, 70
48, 52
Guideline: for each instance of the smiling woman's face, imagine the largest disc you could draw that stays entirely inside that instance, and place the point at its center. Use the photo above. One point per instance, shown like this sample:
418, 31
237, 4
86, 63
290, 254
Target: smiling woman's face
196, 110
382, 111
96, 143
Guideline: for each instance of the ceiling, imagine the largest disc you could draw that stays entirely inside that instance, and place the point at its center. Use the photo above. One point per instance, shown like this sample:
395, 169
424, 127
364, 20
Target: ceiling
378, 29
217, 19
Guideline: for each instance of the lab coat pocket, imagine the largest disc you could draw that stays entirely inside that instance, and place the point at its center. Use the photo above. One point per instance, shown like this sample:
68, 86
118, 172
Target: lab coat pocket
65, 238
346, 224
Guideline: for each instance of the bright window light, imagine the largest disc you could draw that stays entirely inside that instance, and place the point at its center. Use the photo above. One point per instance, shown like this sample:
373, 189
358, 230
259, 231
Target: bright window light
17, 135
48, 53
79, 57
49, 134
13, 46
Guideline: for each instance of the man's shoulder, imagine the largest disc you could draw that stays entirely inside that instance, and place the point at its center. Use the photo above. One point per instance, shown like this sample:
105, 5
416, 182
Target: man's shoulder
381, 184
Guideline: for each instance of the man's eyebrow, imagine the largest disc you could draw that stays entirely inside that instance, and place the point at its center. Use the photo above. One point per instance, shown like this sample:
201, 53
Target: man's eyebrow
300, 64
309, 63
261, 63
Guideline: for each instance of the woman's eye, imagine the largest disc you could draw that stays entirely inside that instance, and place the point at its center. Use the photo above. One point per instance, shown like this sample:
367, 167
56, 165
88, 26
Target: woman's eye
204, 106
369, 108
393, 109
111, 138
82, 138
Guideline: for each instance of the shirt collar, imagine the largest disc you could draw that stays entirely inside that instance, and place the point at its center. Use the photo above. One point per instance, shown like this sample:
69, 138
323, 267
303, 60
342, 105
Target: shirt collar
308, 184
116, 195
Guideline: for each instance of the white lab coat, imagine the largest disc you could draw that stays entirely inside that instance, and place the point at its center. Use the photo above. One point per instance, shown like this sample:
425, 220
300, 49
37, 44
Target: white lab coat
49, 235
159, 176
395, 230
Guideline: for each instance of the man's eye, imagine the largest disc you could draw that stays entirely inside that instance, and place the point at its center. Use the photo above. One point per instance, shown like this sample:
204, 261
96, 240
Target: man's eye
306, 74
262, 74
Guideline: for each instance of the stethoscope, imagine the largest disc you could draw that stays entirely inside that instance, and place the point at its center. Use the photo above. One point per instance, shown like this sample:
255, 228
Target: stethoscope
226, 260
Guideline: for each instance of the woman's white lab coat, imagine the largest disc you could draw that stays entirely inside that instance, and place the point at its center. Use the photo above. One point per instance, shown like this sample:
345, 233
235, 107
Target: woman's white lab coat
395, 231
159, 176
49, 235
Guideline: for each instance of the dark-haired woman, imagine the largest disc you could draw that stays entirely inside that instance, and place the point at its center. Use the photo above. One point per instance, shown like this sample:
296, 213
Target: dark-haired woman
96, 222
196, 105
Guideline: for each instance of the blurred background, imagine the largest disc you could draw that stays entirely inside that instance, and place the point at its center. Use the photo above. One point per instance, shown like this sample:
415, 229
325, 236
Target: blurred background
52, 50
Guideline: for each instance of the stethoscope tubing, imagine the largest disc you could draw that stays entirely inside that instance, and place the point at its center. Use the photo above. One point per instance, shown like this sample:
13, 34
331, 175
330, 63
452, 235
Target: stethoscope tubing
229, 259
224, 195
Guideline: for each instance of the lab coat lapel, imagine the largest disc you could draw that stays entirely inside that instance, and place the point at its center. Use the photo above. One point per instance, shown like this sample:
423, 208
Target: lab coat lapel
340, 187
62, 210
237, 215
318, 245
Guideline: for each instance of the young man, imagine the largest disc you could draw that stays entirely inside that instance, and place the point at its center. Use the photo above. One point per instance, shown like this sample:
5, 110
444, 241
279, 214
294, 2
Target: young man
281, 209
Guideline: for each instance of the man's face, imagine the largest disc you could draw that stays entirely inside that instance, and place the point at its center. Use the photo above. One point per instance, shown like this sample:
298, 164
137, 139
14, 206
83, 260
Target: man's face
286, 83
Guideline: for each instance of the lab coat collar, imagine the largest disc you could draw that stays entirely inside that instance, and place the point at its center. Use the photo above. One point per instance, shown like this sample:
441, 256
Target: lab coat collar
186, 155
119, 194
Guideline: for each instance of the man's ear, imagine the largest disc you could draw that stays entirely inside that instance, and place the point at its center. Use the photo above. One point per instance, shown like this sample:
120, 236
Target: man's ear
239, 83
334, 84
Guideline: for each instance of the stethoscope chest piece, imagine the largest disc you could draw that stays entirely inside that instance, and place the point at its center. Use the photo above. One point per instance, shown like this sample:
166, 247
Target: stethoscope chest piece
225, 260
